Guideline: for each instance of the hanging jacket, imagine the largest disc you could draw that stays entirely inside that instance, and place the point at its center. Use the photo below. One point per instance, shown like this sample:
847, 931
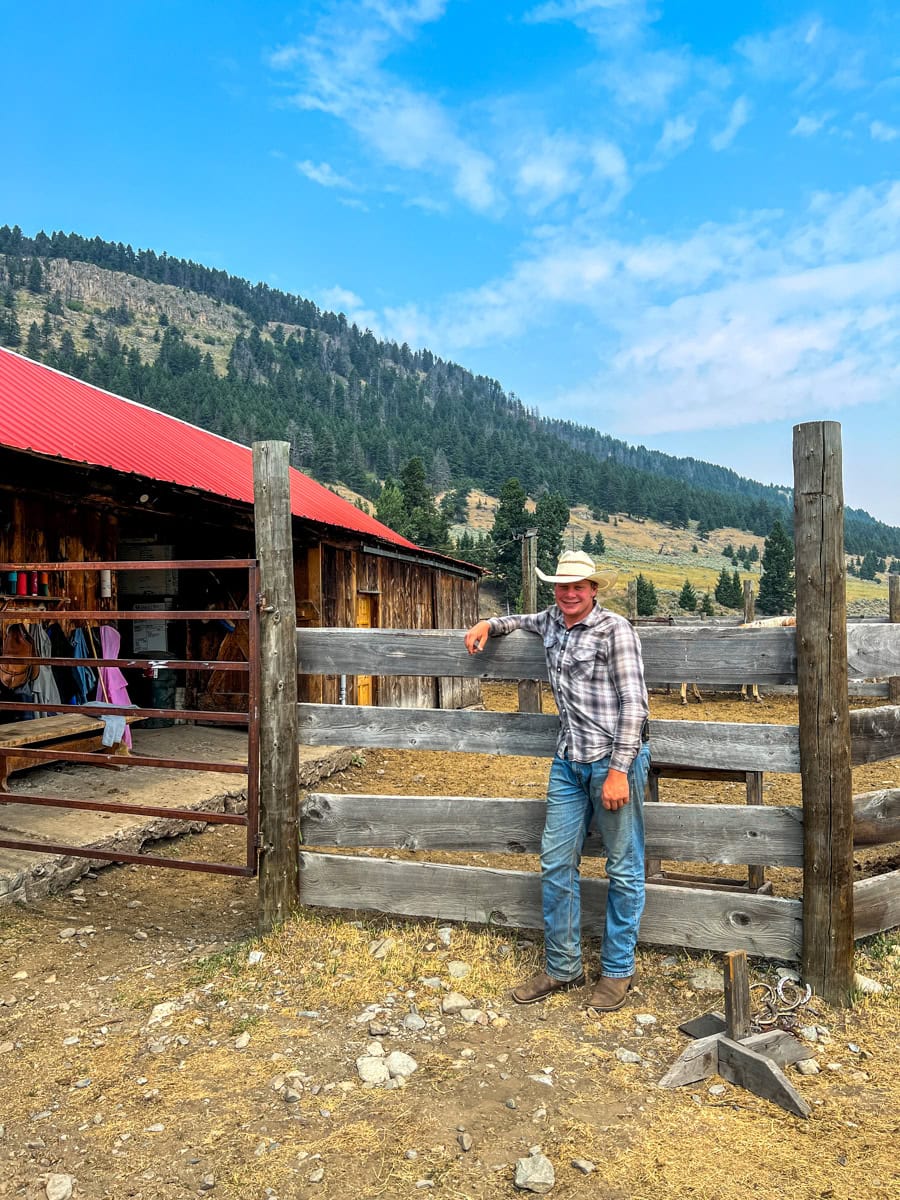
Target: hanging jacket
112, 686
84, 677
44, 684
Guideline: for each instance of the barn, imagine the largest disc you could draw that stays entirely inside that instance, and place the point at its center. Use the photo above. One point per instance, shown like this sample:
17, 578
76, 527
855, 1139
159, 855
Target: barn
86, 475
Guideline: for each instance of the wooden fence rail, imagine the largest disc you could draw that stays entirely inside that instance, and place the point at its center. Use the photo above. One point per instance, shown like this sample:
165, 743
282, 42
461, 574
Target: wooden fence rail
671, 654
714, 833
700, 919
874, 735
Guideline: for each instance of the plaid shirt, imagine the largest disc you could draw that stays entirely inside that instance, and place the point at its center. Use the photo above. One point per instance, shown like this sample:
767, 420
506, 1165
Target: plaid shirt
597, 676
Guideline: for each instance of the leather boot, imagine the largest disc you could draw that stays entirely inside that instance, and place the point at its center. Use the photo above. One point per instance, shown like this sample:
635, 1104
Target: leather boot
608, 994
542, 985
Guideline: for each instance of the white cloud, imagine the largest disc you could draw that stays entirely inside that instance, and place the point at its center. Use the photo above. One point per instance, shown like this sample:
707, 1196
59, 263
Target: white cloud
807, 53
737, 119
611, 20
646, 82
404, 18
767, 318
339, 70
549, 170
323, 174
881, 132
677, 135
806, 125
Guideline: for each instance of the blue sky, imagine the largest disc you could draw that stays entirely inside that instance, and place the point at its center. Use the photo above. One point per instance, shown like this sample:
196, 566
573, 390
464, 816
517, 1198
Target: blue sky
677, 223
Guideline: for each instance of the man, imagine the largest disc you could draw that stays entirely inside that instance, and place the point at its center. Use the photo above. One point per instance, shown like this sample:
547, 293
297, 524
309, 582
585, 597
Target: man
599, 771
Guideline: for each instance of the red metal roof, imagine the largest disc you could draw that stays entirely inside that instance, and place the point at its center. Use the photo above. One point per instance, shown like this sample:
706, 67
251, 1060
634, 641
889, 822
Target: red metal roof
46, 412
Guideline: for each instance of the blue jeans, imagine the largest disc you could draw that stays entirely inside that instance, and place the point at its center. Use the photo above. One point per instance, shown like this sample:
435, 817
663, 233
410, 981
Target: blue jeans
573, 800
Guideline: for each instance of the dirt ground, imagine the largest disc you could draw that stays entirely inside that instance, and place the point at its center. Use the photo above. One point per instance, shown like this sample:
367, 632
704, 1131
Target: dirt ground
152, 1047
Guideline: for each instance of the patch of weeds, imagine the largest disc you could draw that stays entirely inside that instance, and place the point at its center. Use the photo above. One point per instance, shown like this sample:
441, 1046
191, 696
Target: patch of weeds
230, 961
880, 946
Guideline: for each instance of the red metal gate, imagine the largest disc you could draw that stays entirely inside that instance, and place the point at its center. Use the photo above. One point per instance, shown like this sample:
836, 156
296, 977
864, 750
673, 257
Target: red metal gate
21, 608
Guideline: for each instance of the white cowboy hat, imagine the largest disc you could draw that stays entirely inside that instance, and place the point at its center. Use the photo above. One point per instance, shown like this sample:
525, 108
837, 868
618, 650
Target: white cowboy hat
575, 566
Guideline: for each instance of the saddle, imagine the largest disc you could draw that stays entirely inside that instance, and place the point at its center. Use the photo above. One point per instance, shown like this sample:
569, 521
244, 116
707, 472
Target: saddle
17, 644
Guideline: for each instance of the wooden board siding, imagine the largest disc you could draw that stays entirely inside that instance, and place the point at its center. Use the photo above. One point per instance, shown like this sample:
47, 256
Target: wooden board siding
455, 607
406, 603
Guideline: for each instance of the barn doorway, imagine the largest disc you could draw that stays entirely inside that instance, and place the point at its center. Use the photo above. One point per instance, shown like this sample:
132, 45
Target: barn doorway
366, 618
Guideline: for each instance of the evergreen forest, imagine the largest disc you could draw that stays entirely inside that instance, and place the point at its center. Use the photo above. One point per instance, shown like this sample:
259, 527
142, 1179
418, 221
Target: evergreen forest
356, 409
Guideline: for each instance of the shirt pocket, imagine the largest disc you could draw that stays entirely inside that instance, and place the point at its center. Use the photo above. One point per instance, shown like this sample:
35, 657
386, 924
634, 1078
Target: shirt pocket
582, 663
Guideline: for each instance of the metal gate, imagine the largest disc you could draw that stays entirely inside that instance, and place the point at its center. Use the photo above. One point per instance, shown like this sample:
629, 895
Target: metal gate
21, 607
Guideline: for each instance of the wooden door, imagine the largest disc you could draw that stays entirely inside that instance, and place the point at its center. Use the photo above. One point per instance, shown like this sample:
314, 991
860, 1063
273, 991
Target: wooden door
365, 619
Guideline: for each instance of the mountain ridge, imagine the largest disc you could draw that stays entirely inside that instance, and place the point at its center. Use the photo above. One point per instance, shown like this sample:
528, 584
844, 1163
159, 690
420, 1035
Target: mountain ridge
223, 354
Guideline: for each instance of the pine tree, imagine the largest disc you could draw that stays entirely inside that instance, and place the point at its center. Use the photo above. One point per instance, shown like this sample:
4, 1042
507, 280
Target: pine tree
723, 589
35, 278
35, 342
688, 598
389, 508
706, 605
510, 522
587, 543
776, 584
869, 568
646, 597
599, 544
551, 515
10, 332
737, 591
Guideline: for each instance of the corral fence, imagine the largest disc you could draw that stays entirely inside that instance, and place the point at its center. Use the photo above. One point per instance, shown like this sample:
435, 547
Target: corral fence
818, 656
83, 733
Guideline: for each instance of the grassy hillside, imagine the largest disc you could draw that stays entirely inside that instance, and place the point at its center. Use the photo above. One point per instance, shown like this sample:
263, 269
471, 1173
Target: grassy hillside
663, 555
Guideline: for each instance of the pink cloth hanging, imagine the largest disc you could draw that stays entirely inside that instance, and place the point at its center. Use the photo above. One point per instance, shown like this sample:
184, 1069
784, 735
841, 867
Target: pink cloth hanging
113, 687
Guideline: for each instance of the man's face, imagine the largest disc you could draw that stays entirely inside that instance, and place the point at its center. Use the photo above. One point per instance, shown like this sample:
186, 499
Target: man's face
575, 600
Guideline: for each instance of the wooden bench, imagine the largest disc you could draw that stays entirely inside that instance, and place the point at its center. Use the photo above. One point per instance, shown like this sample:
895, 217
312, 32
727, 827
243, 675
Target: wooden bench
66, 731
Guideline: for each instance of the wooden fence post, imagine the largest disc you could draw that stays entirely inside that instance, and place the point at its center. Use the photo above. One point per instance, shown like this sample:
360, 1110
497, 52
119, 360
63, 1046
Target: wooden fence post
824, 711
279, 867
529, 689
749, 601
894, 616
632, 612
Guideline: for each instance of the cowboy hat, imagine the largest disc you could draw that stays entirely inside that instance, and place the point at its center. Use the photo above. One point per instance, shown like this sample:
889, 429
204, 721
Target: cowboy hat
575, 566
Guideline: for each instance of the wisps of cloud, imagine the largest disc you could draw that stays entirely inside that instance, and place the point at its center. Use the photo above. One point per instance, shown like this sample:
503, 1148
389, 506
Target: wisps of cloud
807, 54
807, 125
324, 174
880, 131
755, 320
609, 20
737, 119
678, 133
339, 70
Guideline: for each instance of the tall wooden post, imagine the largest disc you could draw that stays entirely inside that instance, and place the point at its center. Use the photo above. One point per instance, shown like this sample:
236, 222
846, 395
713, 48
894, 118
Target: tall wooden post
894, 616
529, 689
279, 868
824, 711
749, 601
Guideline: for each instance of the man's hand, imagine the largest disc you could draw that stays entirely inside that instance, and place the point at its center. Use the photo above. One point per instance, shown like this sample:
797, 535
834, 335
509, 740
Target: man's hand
477, 636
615, 790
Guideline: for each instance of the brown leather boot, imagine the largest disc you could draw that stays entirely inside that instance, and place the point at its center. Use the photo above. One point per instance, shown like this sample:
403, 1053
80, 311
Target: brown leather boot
542, 985
608, 994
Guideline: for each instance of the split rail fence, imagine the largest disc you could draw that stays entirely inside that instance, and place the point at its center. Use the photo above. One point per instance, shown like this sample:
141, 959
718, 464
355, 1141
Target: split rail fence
819, 657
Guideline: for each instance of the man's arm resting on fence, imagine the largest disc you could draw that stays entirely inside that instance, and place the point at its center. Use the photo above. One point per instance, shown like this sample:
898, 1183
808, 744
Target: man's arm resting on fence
477, 636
